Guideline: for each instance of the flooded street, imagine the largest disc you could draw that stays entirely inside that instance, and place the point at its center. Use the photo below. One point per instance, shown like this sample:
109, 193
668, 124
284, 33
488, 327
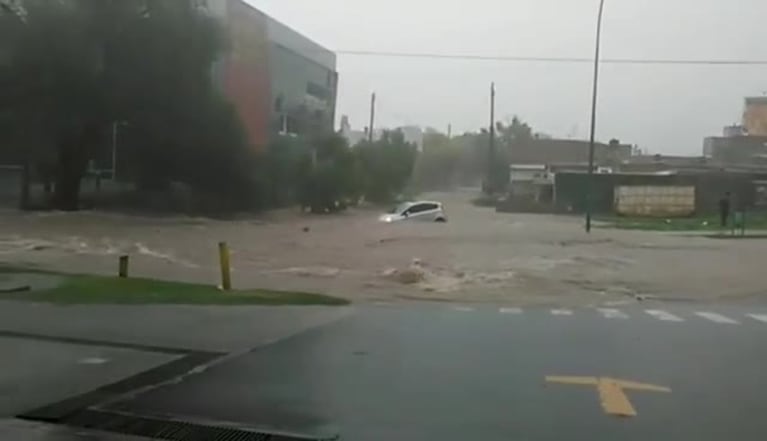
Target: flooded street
478, 256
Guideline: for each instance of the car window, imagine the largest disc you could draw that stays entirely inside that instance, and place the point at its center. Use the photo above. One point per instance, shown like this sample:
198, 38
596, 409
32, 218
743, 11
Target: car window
418, 208
400, 208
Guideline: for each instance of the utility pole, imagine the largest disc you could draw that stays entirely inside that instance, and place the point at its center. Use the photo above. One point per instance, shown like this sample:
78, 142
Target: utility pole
590, 185
449, 131
372, 117
491, 145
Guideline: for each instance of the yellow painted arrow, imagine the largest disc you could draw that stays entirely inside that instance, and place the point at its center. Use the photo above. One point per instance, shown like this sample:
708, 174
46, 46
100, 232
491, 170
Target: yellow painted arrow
611, 391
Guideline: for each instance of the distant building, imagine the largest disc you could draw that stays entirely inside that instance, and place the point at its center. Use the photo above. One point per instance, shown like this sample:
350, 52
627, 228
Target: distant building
734, 130
279, 80
755, 116
549, 151
736, 149
742, 145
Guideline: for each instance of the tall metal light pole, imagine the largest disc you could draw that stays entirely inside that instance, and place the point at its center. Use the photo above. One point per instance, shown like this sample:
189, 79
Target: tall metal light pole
590, 185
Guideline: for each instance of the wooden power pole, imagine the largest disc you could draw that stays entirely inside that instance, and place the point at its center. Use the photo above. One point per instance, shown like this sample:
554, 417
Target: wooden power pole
372, 117
491, 146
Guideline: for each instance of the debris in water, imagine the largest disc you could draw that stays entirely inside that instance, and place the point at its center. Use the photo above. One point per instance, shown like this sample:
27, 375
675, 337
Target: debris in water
407, 276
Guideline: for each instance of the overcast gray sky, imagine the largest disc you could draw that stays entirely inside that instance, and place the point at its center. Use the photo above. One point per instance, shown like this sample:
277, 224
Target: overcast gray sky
666, 109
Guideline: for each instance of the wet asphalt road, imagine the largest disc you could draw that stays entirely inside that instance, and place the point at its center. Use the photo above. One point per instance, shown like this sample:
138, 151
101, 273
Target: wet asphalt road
436, 372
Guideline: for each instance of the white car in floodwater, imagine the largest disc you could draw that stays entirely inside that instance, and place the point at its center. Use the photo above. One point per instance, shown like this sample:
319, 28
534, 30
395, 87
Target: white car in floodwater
424, 211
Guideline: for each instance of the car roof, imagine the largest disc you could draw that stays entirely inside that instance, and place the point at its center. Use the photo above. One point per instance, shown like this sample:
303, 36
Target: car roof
427, 202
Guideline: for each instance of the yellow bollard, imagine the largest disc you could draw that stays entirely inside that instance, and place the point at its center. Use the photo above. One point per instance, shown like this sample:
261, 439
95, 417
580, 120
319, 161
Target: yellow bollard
123, 268
226, 276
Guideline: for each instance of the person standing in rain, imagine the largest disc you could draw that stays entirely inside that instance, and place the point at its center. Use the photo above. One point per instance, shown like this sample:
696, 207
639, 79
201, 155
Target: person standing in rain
724, 209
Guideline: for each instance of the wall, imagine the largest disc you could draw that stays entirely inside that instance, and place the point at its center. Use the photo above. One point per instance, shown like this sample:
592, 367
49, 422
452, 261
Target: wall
570, 189
655, 200
303, 81
245, 72
300, 85
288, 38
273, 73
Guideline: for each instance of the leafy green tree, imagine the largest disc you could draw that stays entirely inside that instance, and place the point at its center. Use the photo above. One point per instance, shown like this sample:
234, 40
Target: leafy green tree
517, 132
160, 60
513, 135
385, 166
438, 164
330, 182
54, 88
285, 165
72, 68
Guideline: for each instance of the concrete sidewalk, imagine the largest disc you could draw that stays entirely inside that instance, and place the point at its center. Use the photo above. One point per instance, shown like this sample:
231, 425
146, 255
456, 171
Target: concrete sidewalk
11, 429
57, 358
36, 373
192, 328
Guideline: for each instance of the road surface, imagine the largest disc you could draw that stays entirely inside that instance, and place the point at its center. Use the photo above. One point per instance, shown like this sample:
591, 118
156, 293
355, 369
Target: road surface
452, 372
479, 256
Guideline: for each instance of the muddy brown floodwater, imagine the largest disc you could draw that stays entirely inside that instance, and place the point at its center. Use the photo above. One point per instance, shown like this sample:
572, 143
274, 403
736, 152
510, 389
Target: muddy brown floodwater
478, 256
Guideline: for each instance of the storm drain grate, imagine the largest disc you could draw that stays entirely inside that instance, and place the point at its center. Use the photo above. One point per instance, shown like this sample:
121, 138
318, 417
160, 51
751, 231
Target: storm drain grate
173, 430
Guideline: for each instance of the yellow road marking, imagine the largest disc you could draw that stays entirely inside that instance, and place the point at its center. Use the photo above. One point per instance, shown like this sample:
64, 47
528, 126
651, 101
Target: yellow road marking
614, 401
611, 391
588, 381
633, 385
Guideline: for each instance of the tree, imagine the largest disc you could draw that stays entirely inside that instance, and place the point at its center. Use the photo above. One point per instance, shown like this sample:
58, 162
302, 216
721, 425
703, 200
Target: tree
285, 165
54, 83
513, 135
386, 166
74, 67
437, 166
330, 181
160, 59
515, 132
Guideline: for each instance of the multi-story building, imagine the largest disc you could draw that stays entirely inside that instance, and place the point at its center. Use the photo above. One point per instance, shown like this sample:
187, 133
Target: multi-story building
279, 80
745, 143
755, 116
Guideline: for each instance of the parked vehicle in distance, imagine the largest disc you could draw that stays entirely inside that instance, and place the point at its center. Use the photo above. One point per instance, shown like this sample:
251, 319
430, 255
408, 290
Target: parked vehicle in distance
424, 211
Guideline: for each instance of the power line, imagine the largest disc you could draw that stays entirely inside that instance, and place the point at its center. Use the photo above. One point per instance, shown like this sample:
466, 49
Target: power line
571, 60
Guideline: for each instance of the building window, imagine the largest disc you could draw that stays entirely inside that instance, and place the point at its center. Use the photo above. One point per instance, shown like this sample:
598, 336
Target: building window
317, 91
